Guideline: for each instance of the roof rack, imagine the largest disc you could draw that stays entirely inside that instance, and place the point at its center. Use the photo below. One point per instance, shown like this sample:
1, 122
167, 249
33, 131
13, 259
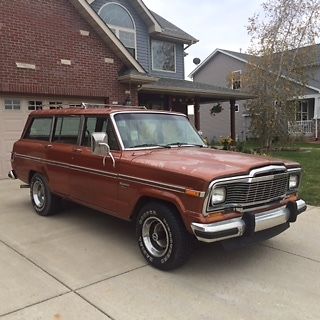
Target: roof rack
85, 105
109, 106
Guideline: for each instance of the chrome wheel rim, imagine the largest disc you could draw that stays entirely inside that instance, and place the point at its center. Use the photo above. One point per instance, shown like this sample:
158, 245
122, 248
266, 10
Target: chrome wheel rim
38, 194
155, 237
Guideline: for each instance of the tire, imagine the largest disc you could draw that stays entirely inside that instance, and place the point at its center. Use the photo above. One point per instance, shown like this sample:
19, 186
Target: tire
162, 237
43, 201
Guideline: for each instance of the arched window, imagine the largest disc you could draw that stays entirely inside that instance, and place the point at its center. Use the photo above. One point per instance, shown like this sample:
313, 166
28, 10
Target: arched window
120, 21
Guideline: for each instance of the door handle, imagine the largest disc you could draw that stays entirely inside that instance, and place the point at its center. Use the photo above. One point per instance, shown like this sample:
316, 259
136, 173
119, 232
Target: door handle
48, 146
78, 150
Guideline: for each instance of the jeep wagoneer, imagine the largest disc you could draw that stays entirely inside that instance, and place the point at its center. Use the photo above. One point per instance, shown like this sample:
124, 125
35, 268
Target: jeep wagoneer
152, 167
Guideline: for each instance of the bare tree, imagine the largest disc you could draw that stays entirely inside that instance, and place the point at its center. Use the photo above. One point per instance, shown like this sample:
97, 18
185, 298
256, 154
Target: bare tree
283, 48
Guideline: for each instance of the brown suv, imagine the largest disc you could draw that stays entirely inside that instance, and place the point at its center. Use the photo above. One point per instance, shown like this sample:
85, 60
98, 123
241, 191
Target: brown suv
153, 167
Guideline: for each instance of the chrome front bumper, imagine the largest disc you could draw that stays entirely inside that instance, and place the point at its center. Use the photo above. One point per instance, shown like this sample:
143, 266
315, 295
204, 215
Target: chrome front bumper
248, 224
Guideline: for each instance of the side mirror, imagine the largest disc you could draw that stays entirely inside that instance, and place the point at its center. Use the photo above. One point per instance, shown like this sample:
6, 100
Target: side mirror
100, 146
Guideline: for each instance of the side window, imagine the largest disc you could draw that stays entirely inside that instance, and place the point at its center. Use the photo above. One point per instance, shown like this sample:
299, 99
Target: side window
39, 129
91, 126
99, 124
66, 130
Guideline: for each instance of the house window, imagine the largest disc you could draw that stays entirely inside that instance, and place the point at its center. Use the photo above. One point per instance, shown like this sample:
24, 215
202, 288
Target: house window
236, 108
55, 104
236, 79
12, 104
121, 23
303, 111
34, 105
163, 56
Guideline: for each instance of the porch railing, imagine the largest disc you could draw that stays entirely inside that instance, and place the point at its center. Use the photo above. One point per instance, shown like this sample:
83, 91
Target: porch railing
305, 127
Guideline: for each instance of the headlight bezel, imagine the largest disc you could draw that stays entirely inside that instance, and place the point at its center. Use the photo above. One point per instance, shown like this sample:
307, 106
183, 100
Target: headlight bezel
218, 191
293, 181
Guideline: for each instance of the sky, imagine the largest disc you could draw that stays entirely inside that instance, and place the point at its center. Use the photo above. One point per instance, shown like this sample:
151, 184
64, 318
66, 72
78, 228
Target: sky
215, 23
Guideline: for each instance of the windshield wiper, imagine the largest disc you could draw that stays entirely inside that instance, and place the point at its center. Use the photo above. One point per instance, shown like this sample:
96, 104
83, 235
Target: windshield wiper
145, 145
185, 144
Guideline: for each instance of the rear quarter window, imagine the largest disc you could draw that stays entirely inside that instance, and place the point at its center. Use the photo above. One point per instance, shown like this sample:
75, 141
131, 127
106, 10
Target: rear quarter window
39, 129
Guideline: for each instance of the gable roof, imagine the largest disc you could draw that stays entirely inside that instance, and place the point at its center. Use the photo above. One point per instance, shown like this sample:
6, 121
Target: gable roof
106, 34
236, 55
158, 25
244, 57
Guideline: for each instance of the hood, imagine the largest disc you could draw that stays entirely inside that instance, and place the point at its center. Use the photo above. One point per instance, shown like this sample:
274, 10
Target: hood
206, 164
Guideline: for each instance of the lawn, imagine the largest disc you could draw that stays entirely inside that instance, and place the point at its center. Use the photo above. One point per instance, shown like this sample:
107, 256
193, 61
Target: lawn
309, 158
308, 155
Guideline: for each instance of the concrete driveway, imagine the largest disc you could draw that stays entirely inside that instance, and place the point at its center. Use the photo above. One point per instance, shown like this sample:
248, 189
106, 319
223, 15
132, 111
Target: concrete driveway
81, 264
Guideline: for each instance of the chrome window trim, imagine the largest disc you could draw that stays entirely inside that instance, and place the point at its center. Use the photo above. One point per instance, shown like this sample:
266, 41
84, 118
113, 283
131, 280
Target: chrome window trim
249, 178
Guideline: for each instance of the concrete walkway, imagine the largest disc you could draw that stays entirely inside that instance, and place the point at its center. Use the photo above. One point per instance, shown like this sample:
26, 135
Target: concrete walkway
81, 264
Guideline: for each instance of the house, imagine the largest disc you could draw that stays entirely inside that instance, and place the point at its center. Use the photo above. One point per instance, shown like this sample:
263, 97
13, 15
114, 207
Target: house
224, 68
96, 51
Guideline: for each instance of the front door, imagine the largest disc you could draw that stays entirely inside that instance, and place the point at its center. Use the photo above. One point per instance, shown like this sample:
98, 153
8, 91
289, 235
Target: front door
94, 179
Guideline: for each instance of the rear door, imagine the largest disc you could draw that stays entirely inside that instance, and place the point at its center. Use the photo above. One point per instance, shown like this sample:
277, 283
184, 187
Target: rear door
59, 153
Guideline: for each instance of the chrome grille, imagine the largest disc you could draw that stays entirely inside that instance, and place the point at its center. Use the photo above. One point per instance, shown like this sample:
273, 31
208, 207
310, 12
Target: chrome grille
257, 191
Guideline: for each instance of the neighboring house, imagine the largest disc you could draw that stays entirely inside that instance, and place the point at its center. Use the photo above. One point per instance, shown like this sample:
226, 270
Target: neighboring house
108, 52
224, 68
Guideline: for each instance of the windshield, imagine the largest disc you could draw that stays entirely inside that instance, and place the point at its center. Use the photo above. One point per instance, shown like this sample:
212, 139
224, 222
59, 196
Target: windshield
141, 130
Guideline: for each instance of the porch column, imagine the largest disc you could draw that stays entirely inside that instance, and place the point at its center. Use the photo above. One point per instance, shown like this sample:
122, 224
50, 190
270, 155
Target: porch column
233, 119
197, 114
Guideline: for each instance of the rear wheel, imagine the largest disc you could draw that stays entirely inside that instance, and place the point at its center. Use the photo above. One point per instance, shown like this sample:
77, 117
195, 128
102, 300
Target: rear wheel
162, 237
43, 201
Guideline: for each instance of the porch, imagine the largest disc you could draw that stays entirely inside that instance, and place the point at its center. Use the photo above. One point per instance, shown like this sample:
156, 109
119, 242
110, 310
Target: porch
177, 95
302, 128
307, 113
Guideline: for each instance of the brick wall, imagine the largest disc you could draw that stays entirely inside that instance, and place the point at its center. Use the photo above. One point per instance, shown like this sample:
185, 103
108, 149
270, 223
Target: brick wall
41, 33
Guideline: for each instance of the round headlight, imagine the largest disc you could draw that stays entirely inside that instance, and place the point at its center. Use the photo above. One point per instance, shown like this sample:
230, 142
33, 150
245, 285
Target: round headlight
218, 195
293, 181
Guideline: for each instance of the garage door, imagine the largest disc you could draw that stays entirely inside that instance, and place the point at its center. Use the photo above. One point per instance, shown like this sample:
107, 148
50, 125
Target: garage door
12, 120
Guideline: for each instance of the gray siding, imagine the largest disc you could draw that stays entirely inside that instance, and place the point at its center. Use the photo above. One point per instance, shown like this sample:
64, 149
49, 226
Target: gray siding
144, 43
216, 72
218, 126
314, 73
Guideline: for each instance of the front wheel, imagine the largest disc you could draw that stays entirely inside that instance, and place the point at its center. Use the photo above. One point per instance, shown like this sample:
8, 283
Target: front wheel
162, 237
43, 201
